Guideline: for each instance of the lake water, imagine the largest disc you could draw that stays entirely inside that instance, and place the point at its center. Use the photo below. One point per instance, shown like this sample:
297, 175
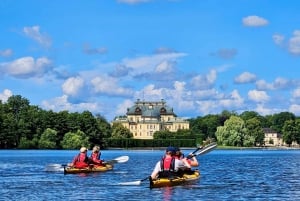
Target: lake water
225, 175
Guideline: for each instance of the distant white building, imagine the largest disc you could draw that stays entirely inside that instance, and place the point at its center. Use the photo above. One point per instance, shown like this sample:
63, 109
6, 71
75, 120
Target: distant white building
146, 117
272, 138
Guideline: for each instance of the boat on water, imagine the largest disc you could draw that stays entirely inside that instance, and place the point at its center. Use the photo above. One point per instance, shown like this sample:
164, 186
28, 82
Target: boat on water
186, 178
72, 170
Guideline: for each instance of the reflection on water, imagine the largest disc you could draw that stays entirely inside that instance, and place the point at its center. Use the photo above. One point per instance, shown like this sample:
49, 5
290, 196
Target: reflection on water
225, 175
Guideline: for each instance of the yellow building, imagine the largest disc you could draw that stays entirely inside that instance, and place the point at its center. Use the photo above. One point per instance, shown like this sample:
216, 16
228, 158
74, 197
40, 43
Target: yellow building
145, 117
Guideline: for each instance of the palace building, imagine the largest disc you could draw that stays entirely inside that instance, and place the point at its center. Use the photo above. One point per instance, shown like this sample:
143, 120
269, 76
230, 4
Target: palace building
145, 117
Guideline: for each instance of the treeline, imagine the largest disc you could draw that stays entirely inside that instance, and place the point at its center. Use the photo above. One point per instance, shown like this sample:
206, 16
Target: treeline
25, 126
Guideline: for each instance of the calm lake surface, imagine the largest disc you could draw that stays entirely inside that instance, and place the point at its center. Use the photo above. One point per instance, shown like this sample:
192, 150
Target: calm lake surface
225, 175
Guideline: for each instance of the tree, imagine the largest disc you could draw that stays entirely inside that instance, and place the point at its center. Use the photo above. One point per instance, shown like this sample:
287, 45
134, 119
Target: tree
233, 133
48, 139
75, 140
255, 130
289, 132
119, 131
279, 119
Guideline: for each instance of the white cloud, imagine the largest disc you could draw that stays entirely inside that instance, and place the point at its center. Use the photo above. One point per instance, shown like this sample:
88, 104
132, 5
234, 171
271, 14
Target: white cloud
6, 53
122, 108
296, 93
34, 33
294, 43
258, 96
255, 21
261, 109
245, 77
278, 39
204, 82
233, 101
72, 86
5, 95
148, 63
61, 103
295, 108
26, 67
109, 86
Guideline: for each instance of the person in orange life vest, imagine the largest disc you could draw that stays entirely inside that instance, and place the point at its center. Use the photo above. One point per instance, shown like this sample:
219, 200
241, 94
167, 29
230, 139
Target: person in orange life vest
95, 156
81, 160
168, 165
193, 162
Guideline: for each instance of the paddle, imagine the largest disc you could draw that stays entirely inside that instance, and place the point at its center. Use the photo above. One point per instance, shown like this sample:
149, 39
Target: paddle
59, 167
197, 152
121, 159
203, 150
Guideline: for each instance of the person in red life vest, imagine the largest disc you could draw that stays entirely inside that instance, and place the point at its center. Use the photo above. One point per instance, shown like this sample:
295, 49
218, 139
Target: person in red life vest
168, 165
95, 156
81, 160
192, 161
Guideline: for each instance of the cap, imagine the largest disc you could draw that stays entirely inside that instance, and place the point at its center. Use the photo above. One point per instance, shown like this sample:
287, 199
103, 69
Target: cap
170, 148
176, 149
83, 149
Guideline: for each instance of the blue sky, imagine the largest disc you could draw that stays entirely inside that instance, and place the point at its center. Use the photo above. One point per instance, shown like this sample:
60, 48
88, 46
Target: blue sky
201, 57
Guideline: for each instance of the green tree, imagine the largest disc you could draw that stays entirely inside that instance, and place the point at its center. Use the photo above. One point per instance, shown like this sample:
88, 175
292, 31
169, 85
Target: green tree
289, 131
232, 133
163, 134
279, 119
119, 131
254, 129
48, 139
75, 140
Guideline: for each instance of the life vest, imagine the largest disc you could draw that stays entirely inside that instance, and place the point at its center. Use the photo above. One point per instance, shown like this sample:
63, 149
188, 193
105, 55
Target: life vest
167, 164
95, 156
81, 161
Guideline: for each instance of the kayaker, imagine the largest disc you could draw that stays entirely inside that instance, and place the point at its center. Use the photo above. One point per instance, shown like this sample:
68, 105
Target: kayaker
95, 156
81, 160
192, 160
169, 165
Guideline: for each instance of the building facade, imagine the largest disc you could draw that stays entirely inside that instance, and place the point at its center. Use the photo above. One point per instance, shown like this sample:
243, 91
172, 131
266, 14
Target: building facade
146, 117
272, 138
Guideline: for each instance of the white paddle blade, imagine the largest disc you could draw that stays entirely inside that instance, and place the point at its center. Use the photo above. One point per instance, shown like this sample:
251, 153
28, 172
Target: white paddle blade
131, 183
122, 159
54, 168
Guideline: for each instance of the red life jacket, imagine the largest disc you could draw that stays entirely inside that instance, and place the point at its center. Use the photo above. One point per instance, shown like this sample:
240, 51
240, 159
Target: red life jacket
81, 161
95, 156
167, 164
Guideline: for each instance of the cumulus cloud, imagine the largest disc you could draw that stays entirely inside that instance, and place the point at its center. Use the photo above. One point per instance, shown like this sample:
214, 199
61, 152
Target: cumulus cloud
35, 34
279, 83
5, 95
61, 103
6, 53
245, 77
294, 43
295, 109
296, 93
72, 86
258, 96
109, 86
204, 82
278, 39
120, 71
254, 21
26, 67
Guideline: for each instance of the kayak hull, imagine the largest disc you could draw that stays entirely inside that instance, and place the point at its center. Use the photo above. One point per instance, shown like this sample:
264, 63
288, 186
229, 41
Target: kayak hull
186, 178
72, 170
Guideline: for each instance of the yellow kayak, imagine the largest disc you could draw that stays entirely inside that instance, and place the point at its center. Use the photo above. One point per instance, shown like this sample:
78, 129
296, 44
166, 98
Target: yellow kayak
187, 177
72, 170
